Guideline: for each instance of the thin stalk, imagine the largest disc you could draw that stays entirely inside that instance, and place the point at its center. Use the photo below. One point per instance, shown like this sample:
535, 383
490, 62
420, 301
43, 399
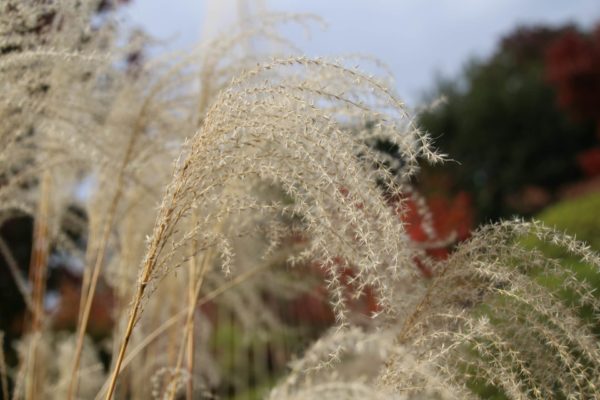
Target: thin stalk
85, 281
3, 374
423, 305
162, 230
89, 298
191, 347
20, 281
238, 280
19, 382
88, 294
38, 271
147, 269
193, 293
192, 299
173, 335
189, 325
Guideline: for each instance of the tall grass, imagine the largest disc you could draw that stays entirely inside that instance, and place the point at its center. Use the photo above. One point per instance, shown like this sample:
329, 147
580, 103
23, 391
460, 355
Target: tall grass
215, 177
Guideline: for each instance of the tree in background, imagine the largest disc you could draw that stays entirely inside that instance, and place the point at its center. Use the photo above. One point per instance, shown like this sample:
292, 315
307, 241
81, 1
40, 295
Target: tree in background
503, 124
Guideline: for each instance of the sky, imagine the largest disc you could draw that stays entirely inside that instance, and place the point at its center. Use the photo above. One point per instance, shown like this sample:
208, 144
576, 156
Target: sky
417, 39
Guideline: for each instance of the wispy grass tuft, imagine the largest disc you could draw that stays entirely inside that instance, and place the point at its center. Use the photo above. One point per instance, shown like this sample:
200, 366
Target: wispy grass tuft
217, 180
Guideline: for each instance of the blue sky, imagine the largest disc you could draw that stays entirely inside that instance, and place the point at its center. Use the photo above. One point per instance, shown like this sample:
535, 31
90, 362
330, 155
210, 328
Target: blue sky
417, 39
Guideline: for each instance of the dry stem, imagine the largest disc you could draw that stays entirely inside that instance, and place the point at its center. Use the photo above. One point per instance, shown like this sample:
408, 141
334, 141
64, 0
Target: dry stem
38, 271
87, 295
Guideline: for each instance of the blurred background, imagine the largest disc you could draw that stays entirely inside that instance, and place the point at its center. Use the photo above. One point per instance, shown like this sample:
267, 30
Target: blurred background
418, 40
515, 85
509, 89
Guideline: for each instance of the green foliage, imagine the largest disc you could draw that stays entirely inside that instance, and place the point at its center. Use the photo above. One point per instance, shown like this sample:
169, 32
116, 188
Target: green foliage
501, 123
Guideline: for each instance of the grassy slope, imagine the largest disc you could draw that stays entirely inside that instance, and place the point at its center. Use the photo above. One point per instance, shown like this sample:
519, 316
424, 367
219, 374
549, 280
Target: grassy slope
580, 218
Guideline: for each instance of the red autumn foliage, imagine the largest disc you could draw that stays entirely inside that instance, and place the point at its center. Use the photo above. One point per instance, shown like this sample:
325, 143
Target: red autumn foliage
65, 315
450, 217
573, 67
589, 161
